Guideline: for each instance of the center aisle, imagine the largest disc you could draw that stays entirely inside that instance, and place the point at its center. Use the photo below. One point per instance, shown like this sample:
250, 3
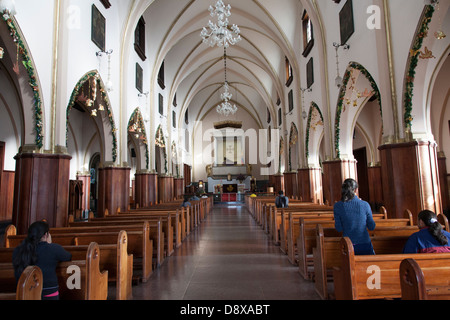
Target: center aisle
228, 257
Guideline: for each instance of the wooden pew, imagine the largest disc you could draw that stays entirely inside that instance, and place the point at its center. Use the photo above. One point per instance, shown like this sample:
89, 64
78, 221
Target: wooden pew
431, 283
327, 253
171, 223
94, 282
154, 246
354, 279
114, 259
306, 239
29, 286
165, 220
278, 216
138, 244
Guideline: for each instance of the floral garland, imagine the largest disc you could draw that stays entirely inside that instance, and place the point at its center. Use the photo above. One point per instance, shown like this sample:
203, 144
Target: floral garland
161, 142
105, 98
413, 62
308, 125
136, 115
340, 106
292, 141
28, 64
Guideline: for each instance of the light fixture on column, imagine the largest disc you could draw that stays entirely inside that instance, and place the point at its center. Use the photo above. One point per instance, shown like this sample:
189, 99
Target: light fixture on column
109, 85
8, 8
218, 33
338, 80
226, 108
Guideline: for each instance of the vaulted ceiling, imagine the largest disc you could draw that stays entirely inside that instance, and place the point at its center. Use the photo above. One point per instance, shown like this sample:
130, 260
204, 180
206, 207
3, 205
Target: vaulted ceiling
255, 66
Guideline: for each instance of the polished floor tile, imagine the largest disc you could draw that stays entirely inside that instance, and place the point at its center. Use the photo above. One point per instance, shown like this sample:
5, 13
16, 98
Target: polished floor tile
228, 257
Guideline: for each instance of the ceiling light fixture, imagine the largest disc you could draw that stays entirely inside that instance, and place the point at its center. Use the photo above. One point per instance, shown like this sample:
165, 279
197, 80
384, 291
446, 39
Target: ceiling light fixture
218, 34
226, 108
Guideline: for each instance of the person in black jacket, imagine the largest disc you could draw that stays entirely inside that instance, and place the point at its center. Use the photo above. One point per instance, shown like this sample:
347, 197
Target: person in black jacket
37, 249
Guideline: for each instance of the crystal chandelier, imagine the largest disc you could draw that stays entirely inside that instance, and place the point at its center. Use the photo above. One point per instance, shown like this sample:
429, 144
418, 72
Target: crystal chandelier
226, 108
218, 33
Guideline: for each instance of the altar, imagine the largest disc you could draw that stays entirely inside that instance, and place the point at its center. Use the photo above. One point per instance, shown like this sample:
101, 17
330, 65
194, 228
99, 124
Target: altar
229, 176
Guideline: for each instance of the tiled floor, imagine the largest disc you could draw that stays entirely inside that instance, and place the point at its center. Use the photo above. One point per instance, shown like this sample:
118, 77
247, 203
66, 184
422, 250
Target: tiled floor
228, 257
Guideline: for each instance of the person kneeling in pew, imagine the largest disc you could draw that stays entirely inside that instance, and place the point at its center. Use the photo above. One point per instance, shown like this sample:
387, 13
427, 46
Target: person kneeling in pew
37, 249
431, 238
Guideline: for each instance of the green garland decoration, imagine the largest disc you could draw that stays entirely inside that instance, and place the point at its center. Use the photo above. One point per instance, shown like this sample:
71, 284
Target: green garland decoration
308, 125
293, 131
413, 62
140, 120
342, 92
28, 64
160, 135
105, 98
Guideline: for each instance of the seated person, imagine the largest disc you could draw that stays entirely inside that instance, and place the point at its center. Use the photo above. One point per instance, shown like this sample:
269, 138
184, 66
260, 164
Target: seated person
431, 238
195, 198
186, 203
38, 249
281, 201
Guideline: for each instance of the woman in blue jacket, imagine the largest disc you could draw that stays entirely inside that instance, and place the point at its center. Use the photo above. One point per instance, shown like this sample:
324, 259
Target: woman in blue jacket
430, 238
353, 217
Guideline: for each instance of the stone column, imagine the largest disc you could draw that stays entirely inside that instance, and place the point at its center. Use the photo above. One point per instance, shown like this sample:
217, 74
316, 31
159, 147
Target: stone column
146, 189
113, 190
410, 178
41, 189
334, 174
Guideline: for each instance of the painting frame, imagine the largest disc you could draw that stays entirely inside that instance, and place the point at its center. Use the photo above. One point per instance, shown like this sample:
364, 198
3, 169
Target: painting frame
98, 29
310, 73
346, 22
139, 78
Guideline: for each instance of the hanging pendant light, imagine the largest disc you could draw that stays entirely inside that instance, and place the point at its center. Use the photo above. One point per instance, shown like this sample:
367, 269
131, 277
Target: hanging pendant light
218, 34
226, 108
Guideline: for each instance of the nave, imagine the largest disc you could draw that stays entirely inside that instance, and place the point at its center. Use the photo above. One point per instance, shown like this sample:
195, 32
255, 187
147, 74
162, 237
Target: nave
228, 257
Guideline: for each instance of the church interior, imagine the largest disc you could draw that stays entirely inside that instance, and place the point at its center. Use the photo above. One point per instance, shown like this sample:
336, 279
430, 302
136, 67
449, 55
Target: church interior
111, 107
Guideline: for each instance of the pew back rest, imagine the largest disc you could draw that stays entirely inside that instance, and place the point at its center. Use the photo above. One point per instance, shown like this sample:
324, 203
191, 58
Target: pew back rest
358, 271
30, 284
430, 283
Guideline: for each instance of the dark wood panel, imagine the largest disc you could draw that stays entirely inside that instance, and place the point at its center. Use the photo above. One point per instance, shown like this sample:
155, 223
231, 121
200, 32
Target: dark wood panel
113, 190
410, 178
41, 190
7, 195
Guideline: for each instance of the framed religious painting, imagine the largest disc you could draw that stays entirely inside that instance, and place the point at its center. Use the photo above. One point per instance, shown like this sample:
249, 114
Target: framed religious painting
98, 28
347, 23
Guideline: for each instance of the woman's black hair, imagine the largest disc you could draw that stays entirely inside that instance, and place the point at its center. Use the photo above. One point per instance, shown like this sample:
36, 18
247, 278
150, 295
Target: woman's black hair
348, 190
434, 227
26, 254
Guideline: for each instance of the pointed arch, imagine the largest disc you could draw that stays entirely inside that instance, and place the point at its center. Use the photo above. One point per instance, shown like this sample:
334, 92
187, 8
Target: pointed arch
99, 104
33, 91
348, 84
136, 129
315, 119
413, 61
